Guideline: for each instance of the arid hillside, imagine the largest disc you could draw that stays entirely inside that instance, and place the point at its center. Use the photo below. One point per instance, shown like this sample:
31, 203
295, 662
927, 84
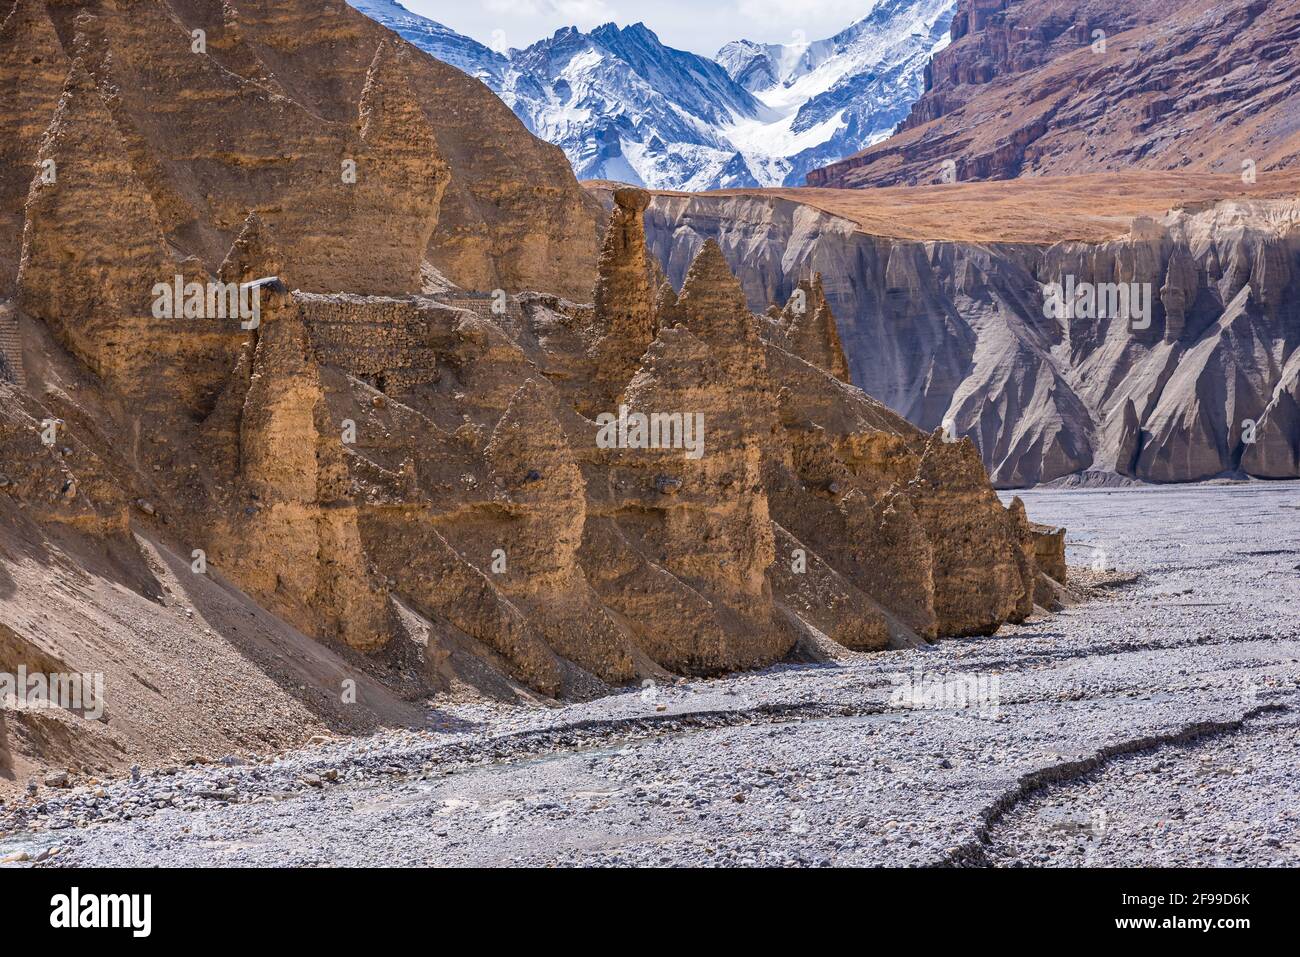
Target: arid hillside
1060, 87
1088, 208
254, 446
299, 111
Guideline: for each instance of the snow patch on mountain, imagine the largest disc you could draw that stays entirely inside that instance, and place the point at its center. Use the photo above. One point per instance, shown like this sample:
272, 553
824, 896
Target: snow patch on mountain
440, 42
838, 95
618, 101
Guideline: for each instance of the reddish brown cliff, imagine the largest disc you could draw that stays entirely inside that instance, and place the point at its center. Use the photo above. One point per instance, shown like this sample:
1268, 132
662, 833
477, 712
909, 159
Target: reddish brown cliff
1051, 87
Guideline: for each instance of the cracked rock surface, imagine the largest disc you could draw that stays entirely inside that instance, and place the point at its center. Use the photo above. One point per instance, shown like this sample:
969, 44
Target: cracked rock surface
1154, 724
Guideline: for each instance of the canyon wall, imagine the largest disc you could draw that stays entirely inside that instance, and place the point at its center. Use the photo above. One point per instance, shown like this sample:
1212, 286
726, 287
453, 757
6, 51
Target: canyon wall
510, 489
341, 484
369, 461
956, 332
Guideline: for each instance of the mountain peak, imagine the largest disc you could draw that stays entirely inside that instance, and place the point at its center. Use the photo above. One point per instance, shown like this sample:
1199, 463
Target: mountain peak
625, 106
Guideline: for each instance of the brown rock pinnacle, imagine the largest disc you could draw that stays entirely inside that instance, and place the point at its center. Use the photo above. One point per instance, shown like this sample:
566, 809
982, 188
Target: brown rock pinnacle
624, 299
1026, 564
402, 176
705, 518
624, 322
810, 331
667, 311
296, 541
532, 462
712, 302
714, 311
978, 575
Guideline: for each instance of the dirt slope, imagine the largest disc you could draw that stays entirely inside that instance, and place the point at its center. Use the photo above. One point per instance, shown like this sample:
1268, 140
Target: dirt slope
190, 665
1027, 89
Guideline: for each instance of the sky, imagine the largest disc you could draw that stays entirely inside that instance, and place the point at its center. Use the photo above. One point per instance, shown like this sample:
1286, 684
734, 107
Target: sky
701, 26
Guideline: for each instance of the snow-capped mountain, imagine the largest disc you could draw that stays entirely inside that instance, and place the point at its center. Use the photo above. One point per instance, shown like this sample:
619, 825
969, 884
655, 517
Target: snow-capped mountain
624, 106
835, 96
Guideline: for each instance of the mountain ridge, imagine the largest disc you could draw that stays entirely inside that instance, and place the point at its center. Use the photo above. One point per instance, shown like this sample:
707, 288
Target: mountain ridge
622, 105
1060, 87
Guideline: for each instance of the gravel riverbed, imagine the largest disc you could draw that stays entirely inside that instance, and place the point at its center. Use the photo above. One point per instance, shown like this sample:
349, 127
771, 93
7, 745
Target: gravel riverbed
1155, 724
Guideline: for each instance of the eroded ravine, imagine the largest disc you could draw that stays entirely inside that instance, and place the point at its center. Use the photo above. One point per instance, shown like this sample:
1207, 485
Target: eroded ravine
1172, 799
1049, 783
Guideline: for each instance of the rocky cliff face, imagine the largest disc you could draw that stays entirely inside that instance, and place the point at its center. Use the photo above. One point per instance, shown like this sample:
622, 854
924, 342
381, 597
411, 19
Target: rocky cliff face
1051, 87
370, 461
521, 493
33, 70
341, 136
957, 335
